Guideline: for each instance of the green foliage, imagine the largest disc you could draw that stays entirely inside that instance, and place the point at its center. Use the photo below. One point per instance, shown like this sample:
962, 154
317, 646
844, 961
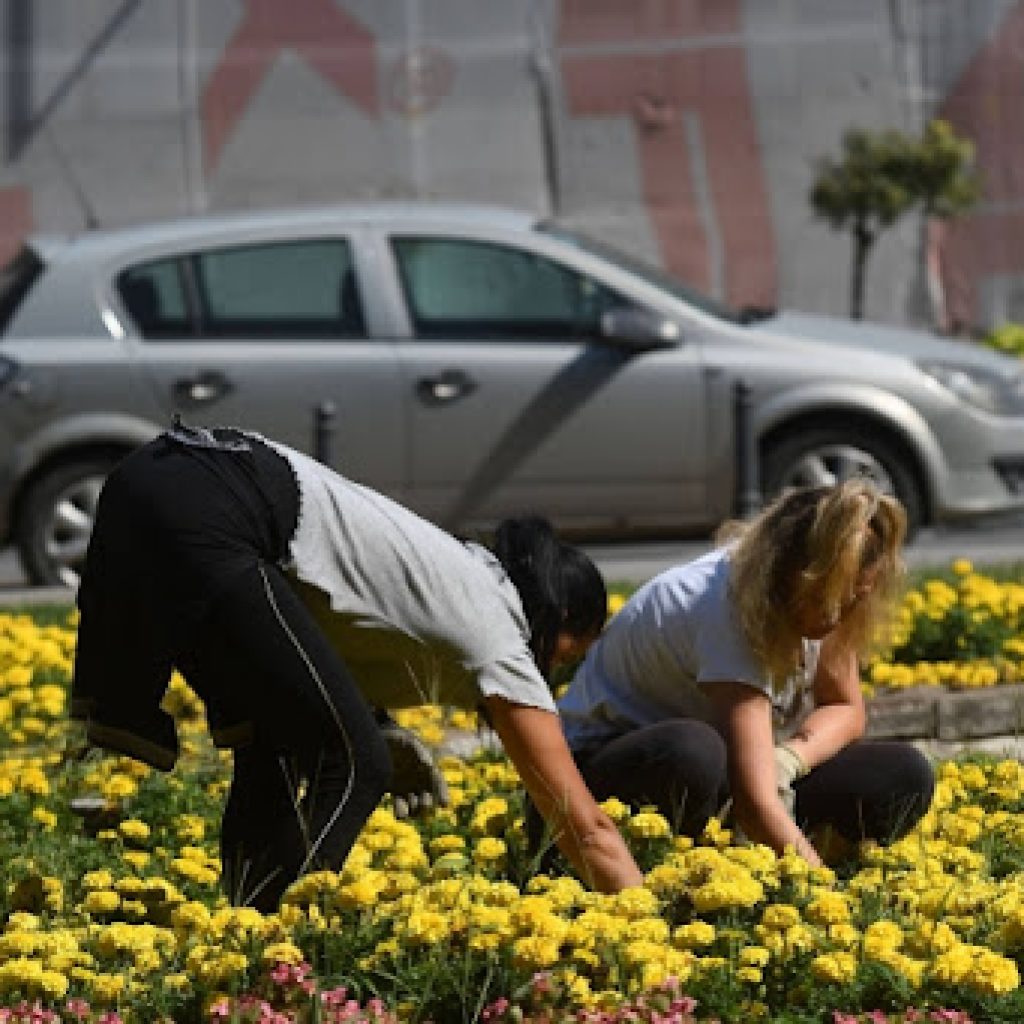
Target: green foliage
1008, 338
866, 187
882, 175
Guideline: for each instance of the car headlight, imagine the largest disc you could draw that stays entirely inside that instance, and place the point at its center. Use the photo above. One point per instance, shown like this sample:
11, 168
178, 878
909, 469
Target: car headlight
983, 388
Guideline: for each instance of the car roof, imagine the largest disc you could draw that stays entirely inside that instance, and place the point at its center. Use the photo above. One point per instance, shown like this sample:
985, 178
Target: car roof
181, 230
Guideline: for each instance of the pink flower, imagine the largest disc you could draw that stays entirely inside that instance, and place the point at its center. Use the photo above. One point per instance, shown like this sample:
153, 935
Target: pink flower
281, 973
334, 996
78, 1008
542, 982
496, 1010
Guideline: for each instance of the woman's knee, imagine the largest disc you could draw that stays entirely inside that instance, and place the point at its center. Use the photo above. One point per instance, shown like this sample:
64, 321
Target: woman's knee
914, 785
678, 766
871, 790
692, 750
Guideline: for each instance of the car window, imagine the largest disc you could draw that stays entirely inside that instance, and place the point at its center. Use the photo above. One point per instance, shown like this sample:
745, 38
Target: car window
279, 290
652, 275
16, 280
464, 288
154, 296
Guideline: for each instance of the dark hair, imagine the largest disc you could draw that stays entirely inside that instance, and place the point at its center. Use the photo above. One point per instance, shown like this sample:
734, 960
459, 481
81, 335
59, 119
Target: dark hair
560, 587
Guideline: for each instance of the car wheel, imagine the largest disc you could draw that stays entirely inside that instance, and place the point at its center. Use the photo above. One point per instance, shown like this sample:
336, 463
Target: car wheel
56, 518
827, 456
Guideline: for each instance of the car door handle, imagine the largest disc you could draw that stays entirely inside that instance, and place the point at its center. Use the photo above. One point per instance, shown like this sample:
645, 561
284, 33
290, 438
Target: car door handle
445, 387
202, 388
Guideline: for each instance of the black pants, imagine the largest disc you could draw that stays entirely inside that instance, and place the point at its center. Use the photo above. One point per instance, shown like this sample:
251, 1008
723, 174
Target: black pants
869, 790
315, 765
182, 571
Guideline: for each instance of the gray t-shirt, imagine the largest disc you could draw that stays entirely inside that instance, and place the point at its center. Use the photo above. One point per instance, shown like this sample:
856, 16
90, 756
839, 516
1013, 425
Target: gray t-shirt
677, 633
416, 615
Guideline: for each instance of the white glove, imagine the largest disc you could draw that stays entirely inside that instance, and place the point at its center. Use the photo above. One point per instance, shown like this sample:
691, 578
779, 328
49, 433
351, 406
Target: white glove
417, 784
789, 766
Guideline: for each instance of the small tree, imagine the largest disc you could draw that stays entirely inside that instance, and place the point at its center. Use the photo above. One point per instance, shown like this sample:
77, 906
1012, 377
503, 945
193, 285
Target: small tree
882, 175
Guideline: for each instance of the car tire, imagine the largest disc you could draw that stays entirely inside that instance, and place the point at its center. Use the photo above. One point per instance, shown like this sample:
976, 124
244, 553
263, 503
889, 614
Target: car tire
55, 520
829, 455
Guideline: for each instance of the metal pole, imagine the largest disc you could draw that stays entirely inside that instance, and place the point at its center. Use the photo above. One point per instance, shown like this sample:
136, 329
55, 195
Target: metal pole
324, 417
748, 484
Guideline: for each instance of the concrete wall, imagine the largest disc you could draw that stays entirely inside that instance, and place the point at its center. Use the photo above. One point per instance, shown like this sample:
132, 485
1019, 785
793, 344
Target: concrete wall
685, 131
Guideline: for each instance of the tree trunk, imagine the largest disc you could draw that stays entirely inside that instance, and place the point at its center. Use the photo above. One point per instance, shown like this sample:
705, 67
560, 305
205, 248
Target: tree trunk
863, 239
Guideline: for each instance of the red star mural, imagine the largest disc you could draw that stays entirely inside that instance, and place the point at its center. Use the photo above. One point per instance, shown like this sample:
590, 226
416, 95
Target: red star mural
984, 106
15, 220
688, 107
341, 49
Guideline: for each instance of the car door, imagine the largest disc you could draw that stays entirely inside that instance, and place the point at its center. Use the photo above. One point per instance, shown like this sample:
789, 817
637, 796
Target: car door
272, 336
518, 406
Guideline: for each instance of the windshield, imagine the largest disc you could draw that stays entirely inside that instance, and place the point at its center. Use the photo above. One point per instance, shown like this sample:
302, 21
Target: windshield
655, 276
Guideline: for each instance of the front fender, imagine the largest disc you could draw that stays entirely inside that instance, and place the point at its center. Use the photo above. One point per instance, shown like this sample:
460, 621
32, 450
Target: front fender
890, 411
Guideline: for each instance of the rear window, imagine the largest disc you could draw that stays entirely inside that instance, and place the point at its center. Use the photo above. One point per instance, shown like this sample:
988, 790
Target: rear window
16, 280
270, 290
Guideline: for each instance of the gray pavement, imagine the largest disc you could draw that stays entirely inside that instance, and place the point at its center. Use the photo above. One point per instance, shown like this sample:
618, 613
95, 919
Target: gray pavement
989, 544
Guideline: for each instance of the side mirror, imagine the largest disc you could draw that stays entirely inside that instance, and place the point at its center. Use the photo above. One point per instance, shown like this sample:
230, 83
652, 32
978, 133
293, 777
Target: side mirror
637, 328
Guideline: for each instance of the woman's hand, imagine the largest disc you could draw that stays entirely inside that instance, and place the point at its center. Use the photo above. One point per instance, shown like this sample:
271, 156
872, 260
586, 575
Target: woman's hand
417, 784
534, 741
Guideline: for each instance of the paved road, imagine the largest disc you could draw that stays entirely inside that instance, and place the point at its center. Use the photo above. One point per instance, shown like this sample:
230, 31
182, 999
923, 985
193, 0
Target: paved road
984, 544
991, 544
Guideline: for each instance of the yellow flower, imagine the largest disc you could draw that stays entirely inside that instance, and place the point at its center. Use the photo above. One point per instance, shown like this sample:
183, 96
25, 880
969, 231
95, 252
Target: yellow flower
754, 956
828, 908
283, 953
535, 952
134, 830
615, 809
45, 818
107, 987
101, 901
488, 851
448, 843
648, 825
191, 917
426, 927
694, 935
838, 968
719, 894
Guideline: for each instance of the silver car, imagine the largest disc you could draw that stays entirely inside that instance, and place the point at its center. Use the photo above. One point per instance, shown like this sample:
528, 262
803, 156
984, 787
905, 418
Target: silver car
472, 363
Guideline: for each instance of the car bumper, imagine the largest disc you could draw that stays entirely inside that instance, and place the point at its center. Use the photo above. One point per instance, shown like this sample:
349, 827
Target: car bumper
983, 472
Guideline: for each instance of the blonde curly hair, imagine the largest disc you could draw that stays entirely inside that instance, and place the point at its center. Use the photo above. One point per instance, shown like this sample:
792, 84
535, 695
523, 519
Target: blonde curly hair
810, 549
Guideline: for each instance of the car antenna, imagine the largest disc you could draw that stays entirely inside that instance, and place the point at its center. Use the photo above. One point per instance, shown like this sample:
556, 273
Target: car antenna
71, 180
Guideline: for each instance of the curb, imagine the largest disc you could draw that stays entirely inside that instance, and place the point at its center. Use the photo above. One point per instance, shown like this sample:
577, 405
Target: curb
31, 597
948, 715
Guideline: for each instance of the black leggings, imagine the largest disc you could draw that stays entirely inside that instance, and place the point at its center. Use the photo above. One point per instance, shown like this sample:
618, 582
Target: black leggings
315, 766
869, 790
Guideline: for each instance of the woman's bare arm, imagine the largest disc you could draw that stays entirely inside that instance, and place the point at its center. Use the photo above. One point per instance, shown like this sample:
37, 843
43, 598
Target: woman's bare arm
534, 741
839, 716
744, 715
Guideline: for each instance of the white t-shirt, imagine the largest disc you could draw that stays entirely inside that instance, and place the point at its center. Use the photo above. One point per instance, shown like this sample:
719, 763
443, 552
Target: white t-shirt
677, 633
416, 615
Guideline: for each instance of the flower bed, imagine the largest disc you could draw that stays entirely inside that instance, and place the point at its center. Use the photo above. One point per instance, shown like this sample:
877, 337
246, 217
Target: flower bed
115, 913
